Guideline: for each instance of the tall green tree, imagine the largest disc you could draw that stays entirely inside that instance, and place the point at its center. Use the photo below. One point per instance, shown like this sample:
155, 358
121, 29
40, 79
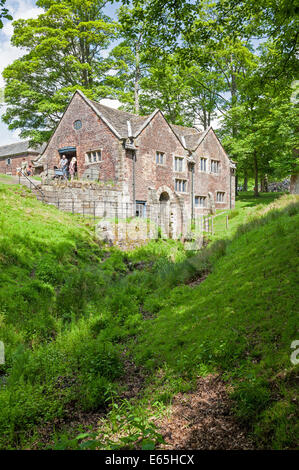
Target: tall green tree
146, 76
64, 51
186, 95
267, 122
130, 57
164, 87
252, 85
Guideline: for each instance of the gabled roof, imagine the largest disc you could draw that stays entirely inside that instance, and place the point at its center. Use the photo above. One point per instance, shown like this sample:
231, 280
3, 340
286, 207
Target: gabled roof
189, 136
124, 124
19, 148
202, 137
119, 119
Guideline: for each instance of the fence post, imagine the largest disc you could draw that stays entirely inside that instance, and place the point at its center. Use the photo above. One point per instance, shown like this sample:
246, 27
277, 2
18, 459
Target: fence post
94, 212
58, 203
226, 222
72, 205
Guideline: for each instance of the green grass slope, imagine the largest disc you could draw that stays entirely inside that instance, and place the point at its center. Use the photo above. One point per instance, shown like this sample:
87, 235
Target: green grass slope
52, 273
241, 320
46, 266
71, 312
56, 283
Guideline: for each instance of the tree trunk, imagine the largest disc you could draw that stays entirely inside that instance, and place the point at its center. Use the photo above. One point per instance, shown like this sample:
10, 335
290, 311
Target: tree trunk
266, 183
256, 175
137, 78
245, 185
204, 120
233, 90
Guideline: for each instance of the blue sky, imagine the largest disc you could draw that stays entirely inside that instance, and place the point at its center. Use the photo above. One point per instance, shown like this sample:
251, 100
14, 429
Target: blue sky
20, 9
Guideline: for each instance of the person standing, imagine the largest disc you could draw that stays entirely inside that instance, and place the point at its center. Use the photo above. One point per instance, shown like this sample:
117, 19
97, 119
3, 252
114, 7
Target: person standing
72, 167
63, 166
24, 166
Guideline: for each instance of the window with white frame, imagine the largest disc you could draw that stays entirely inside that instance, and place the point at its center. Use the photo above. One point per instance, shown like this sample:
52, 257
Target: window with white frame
181, 186
178, 164
200, 201
215, 166
160, 158
8, 161
93, 156
220, 196
203, 164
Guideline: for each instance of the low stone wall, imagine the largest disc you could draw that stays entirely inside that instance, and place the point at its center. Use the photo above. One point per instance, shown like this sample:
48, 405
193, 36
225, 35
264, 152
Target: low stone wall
121, 220
139, 230
82, 197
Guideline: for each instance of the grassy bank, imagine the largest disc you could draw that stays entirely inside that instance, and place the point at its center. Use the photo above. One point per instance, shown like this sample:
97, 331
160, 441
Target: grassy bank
241, 320
72, 312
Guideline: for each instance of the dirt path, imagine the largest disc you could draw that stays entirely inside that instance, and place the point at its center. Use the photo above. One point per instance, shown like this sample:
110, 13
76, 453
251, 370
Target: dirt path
203, 420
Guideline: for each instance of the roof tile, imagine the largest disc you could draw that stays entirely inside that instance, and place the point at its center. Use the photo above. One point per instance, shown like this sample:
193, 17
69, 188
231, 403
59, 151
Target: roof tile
19, 148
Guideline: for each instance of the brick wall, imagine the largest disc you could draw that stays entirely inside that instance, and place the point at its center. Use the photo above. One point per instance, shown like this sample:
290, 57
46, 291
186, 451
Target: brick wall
15, 162
157, 136
93, 135
205, 182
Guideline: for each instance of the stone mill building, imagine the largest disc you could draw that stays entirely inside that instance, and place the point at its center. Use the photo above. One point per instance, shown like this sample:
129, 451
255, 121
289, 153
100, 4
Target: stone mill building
148, 160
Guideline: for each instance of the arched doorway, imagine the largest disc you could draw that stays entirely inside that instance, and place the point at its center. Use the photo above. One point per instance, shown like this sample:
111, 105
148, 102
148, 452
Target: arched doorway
164, 200
164, 197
